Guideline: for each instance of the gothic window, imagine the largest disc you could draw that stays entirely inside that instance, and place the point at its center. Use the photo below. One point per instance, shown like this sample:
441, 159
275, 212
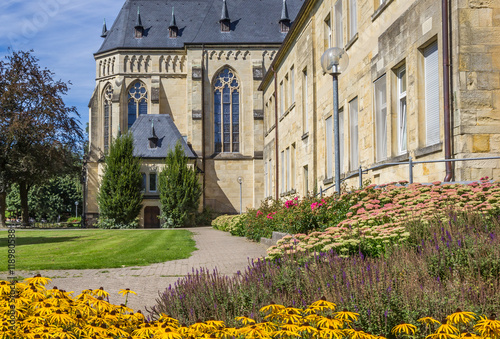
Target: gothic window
108, 94
226, 112
137, 102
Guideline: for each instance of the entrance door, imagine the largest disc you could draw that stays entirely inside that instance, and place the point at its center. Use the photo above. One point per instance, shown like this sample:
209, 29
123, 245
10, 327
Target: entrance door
151, 214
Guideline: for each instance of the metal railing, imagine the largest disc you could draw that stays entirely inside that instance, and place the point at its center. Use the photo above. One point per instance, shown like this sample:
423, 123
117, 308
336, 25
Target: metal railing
410, 164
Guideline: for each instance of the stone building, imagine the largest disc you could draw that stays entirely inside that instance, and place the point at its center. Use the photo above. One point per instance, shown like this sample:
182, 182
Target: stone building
199, 62
397, 97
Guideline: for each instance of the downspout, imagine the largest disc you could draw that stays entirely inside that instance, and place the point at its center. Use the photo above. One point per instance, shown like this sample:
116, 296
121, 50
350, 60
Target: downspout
446, 90
203, 121
276, 144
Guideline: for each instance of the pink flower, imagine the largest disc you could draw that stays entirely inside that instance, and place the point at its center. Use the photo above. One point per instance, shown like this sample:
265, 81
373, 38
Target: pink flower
259, 213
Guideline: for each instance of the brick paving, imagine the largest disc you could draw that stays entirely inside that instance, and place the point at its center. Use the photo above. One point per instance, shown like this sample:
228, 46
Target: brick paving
215, 249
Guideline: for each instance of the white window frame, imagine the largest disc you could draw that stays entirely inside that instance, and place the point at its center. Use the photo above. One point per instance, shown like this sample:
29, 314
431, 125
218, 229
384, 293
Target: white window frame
305, 102
328, 31
288, 170
354, 134
292, 85
283, 178
380, 102
402, 125
266, 190
341, 138
432, 90
339, 25
329, 147
353, 18
282, 98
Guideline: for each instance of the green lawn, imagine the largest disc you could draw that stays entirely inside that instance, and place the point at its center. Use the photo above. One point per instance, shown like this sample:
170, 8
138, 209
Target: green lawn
82, 249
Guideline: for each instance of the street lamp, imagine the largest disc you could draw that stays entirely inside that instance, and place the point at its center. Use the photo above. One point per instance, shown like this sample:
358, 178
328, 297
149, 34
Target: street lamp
240, 181
76, 209
334, 61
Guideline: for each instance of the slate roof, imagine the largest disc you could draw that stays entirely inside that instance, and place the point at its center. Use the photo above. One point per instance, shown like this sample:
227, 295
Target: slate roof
252, 22
165, 130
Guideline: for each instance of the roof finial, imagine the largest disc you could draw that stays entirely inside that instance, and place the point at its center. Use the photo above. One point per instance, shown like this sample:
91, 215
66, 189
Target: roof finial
284, 12
104, 30
173, 22
225, 13
285, 19
153, 132
138, 22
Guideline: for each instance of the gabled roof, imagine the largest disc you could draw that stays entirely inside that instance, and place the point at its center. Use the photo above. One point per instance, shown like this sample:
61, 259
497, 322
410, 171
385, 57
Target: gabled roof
166, 131
252, 22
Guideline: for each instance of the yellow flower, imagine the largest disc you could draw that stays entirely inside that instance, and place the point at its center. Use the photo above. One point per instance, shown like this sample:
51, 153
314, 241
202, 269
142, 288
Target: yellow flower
100, 292
428, 321
305, 327
329, 322
272, 308
245, 320
441, 335
404, 328
37, 280
346, 316
167, 333
460, 317
488, 327
253, 331
126, 292
60, 318
447, 328
323, 304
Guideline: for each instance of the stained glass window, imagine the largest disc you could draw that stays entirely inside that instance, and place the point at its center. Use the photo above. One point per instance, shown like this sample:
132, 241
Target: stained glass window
226, 112
108, 94
137, 102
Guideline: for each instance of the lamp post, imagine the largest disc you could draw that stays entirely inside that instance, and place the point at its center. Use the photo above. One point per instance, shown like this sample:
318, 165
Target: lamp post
240, 181
76, 209
334, 61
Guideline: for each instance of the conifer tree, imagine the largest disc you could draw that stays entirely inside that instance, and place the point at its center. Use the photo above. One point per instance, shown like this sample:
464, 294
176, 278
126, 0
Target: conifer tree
180, 190
120, 195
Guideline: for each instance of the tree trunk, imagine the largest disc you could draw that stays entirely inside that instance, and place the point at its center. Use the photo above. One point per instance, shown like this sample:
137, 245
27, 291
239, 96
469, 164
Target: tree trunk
23, 193
3, 207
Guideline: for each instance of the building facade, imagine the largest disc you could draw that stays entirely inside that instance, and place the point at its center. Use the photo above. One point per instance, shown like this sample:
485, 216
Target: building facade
396, 98
200, 62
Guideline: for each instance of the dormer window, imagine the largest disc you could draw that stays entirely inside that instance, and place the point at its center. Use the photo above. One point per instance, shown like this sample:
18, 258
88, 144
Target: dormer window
284, 26
224, 26
153, 138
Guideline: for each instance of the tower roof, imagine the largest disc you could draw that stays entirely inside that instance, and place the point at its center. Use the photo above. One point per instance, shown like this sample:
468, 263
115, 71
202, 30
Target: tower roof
198, 21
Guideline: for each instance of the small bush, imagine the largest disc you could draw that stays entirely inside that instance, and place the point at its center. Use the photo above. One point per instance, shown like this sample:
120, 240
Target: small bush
112, 224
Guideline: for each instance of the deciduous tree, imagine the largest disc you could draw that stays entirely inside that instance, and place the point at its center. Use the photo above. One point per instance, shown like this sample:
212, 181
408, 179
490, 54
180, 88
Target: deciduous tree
39, 134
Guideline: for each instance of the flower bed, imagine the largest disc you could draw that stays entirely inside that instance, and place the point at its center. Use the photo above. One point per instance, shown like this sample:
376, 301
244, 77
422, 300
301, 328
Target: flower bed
378, 215
42, 313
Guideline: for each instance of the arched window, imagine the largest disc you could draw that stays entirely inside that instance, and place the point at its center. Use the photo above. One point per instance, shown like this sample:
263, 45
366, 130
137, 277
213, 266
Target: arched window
108, 94
226, 112
137, 102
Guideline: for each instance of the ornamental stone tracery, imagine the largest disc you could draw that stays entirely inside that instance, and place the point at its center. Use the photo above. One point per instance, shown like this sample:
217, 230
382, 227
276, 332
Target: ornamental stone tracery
137, 102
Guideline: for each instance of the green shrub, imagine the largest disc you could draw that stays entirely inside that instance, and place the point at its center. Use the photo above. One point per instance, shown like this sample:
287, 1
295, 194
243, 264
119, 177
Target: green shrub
113, 224
180, 190
120, 196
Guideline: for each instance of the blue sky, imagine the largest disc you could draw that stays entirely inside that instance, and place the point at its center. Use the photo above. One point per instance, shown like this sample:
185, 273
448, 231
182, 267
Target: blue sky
64, 34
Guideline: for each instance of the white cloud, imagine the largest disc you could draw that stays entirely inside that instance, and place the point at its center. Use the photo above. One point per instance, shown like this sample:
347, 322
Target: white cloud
64, 35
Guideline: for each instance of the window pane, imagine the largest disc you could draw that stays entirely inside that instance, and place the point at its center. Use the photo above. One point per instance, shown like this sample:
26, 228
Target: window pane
432, 94
339, 29
380, 119
353, 18
353, 124
341, 139
143, 107
152, 182
132, 112
106, 127
329, 147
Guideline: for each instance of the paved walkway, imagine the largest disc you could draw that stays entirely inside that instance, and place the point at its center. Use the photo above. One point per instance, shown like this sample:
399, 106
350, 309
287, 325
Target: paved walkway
214, 249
